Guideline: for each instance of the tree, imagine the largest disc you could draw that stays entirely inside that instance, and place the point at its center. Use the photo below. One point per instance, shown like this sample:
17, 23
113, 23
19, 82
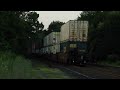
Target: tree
16, 28
55, 26
104, 31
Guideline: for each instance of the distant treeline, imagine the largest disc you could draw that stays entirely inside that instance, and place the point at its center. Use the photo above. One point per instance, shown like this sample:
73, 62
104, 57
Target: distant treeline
17, 28
104, 33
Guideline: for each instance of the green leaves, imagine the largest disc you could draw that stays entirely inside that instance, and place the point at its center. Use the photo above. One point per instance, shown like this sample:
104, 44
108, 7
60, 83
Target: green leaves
13, 66
55, 26
16, 27
104, 32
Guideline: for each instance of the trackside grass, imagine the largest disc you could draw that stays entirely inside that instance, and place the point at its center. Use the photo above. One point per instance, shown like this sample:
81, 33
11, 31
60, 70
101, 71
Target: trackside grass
110, 63
45, 72
14, 66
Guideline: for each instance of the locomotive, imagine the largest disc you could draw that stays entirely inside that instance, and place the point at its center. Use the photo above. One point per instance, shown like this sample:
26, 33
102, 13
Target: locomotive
69, 45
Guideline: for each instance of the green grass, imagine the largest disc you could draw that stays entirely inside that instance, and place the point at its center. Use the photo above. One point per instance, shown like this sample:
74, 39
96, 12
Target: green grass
43, 71
14, 66
109, 62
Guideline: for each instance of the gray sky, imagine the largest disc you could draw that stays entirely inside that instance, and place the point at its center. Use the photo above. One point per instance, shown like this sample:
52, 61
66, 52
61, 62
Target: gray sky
48, 16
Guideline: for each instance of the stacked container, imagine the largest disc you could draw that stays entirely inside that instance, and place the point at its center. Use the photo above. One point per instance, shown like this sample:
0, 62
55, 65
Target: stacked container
52, 43
74, 30
52, 39
73, 34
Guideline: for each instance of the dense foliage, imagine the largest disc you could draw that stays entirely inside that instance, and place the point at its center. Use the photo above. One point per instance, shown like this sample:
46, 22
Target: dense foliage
17, 28
55, 26
104, 33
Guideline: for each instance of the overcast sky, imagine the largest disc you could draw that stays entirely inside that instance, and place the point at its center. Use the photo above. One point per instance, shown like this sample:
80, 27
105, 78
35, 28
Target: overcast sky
48, 16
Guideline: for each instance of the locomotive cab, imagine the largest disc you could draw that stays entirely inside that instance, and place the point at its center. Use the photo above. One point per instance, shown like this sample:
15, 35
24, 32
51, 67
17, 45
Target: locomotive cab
80, 60
77, 57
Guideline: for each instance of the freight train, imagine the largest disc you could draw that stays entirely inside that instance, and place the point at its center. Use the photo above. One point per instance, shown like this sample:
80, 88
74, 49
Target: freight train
69, 45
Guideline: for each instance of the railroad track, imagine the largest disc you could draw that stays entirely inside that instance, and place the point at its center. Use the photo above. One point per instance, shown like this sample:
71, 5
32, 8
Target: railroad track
89, 71
93, 72
81, 74
99, 72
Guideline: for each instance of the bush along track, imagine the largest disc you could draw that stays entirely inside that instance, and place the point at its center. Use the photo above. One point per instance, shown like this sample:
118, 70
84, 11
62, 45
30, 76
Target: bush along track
14, 66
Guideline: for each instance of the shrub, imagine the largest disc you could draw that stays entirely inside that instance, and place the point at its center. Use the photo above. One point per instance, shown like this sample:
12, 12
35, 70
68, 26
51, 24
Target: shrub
14, 66
113, 58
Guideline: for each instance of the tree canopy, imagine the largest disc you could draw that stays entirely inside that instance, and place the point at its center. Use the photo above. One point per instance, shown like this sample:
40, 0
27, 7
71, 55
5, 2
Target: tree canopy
104, 33
55, 26
16, 28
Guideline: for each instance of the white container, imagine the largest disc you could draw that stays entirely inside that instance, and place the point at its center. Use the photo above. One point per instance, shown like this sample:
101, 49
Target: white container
74, 30
46, 40
57, 36
52, 38
55, 49
64, 33
50, 49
